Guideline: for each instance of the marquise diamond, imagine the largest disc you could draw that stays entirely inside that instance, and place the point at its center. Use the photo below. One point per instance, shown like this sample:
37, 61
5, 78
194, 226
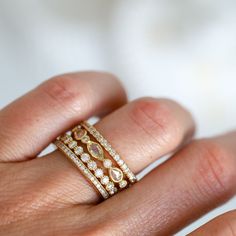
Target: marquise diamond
95, 150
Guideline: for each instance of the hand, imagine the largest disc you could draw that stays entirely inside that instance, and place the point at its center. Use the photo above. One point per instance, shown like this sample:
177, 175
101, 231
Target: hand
49, 196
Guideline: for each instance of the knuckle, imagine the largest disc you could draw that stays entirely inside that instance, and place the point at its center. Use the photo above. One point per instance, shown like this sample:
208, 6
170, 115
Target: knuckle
66, 91
216, 167
156, 119
227, 223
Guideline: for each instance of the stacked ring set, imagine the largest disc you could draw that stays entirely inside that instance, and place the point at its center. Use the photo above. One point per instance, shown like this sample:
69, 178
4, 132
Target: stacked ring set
96, 159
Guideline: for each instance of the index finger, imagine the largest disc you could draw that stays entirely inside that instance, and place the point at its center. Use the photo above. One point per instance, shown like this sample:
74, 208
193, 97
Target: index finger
30, 123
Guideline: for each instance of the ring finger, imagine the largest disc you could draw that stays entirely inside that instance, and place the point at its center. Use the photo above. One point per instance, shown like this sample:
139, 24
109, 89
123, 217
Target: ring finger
142, 131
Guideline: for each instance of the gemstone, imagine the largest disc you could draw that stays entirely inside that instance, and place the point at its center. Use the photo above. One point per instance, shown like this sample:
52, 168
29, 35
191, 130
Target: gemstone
92, 165
107, 163
120, 162
105, 180
78, 150
124, 167
112, 153
72, 144
69, 139
109, 186
113, 191
108, 147
104, 142
95, 150
116, 174
123, 184
85, 157
116, 157
98, 173
65, 137
79, 134
85, 139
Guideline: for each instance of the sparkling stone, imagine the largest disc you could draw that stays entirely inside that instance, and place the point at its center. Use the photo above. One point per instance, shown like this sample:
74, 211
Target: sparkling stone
95, 150
64, 137
123, 184
107, 163
113, 191
112, 153
98, 173
92, 165
69, 139
72, 144
104, 142
85, 139
85, 157
100, 138
124, 167
78, 150
116, 157
120, 162
82, 168
109, 186
116, 174
105, 180
79, 134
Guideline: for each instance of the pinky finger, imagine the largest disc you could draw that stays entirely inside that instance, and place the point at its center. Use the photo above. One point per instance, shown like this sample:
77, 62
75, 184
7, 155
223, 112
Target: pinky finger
224, 225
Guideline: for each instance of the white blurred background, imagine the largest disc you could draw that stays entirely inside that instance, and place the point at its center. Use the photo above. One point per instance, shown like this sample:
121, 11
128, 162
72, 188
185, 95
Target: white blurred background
185, 50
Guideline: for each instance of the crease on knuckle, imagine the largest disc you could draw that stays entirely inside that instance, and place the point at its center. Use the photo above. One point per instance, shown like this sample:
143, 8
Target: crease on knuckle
62, 91
216, 168
231, 223
156, 120
226, 224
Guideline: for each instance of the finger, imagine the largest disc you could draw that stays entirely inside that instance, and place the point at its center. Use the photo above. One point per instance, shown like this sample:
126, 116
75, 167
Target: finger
141, 131
194, 181
33, 121
222, 225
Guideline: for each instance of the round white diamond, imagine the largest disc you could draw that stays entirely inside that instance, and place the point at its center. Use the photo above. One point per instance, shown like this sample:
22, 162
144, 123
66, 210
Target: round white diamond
108, 147
109, 186
124, 166
100, 138
65, 137
92, 165
105, 180
72, 144
123, 184
69, 139
116, 157
120, 162
98, 173
78, 150
85, 157
107, 163
113, 191
112, 153
85, 139
104, 142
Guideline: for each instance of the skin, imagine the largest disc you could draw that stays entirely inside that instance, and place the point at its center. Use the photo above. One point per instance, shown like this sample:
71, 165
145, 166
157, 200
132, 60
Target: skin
49, 196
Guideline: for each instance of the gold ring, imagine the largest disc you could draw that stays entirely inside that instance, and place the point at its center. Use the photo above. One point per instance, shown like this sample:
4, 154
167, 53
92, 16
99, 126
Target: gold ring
93, 164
